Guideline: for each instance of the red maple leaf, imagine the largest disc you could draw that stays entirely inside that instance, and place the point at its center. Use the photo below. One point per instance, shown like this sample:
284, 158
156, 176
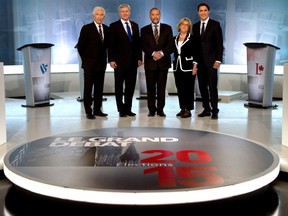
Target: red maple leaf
261, 68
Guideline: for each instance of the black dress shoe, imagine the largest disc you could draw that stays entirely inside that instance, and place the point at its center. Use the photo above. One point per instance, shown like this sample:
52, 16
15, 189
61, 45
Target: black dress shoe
182, 111
101, 114
151, 114
122, 115
161, 114
186, 114
130, 114
204, 113
90, 116
214, 116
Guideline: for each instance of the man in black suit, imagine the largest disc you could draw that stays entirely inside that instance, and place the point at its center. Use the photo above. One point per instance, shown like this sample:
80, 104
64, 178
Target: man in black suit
209, 40
157, 45
124, 54
92, 48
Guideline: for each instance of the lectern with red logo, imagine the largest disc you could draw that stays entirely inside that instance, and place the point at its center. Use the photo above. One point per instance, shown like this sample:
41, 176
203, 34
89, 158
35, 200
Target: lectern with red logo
260, 71
37, 68
3, 132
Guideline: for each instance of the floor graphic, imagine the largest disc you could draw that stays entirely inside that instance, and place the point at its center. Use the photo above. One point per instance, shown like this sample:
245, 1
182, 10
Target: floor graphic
141, 166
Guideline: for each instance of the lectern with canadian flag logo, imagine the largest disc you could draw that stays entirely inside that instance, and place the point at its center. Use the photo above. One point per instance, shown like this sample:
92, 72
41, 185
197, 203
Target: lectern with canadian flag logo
37, 73
260, 73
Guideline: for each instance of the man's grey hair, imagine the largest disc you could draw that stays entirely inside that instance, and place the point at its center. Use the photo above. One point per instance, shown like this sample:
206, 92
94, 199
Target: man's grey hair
98, 8
124, 6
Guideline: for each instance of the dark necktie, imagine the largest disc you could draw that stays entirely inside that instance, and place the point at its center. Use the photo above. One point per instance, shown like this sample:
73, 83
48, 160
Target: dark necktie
203, 28
101, 33
128, 31
156, 35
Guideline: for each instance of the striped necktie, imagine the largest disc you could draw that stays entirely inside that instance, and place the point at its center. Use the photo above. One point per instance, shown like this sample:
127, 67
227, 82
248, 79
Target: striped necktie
101, 33
156, 35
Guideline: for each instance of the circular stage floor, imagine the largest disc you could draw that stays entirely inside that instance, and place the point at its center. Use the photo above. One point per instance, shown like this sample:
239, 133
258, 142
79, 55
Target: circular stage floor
141, 166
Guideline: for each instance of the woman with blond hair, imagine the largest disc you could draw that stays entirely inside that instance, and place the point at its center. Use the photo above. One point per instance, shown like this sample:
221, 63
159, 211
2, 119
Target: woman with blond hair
184, 67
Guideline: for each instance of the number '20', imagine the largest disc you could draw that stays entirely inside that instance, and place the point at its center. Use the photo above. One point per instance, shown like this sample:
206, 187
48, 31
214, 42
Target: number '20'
188, 176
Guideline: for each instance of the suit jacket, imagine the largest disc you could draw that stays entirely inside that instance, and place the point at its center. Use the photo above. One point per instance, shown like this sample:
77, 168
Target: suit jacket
92, 51
184, 54
210, 45
121, 49
165, 43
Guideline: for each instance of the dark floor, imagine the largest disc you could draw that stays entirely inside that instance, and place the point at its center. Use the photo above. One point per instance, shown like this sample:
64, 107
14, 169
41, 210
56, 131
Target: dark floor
271, 200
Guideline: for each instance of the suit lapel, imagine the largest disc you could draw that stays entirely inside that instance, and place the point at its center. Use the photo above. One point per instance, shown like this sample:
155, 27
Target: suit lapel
185, 41
151, 33
197, 27
206, 29
123, 30
160, 33
95, 31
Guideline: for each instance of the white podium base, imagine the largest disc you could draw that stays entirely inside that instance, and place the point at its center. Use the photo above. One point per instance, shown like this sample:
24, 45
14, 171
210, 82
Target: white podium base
3, 133
285, 107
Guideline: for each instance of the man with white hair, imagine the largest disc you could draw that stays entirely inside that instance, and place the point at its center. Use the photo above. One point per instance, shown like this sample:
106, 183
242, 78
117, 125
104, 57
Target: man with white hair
92, 48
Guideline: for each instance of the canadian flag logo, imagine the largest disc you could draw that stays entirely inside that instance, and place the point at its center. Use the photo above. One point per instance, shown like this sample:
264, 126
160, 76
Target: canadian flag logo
259, 69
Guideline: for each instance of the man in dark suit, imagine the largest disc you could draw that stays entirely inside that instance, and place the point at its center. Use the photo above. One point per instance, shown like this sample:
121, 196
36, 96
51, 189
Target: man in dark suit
124, 54
157, 45
209, 40
92, 48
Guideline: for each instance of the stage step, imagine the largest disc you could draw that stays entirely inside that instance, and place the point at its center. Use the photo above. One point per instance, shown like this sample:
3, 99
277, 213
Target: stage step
227, 96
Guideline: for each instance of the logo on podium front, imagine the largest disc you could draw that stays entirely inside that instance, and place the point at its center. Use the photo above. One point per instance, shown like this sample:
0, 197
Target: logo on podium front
259, 69
44, 68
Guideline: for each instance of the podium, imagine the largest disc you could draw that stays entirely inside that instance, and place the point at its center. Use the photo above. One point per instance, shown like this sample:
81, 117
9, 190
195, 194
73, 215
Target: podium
37, 73
260, 74
197, 93
142, 83
3, 131
285, 107
81, 77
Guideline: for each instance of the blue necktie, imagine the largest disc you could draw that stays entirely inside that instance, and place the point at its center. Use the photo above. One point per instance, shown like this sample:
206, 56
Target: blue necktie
128, 31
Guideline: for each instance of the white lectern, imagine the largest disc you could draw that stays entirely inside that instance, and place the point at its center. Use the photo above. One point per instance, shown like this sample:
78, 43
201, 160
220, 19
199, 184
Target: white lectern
81, 77
260, 71
285, 107
37, 73
3, 132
